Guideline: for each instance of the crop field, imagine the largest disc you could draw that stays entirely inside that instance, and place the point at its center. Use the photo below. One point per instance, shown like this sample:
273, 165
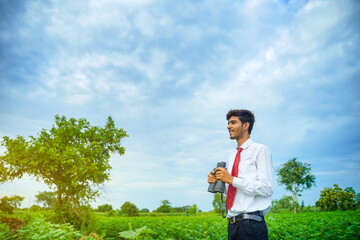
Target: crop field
310, 225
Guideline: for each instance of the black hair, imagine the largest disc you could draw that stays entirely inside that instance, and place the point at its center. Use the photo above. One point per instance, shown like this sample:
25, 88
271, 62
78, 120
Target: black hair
244, 116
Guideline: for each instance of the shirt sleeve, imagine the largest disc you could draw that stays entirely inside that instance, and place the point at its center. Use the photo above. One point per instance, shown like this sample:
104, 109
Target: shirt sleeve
263, 186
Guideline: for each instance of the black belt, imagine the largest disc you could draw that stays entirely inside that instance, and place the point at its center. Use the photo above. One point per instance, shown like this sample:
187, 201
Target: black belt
257, 216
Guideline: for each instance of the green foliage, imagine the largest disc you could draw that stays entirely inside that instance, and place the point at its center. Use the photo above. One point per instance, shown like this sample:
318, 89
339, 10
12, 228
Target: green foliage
80, 217
5, 233
144, 210
71, 157
165, 207
104, 208
217, 203
111, 213
14, 224
42, 230
139, 233
183, 209
314, 225
336, 198
296, 177
94, 236
285, 203
194, 209
35, 208
9, 204
129, 209
47, 198
310, 225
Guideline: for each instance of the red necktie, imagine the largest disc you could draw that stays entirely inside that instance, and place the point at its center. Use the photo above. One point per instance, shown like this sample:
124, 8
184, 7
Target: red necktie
232, 190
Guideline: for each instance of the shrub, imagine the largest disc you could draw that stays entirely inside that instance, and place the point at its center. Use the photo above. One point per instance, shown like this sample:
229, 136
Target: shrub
130, 209
13, 223
9, 204
42, 230
104, 208
80, 217
5, 233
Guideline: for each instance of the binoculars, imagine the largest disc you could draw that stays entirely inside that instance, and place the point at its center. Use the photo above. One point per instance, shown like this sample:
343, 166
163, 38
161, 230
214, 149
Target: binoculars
218, 186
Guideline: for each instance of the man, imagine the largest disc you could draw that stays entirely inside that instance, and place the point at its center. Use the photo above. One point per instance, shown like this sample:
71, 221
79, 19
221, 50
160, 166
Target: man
249, 185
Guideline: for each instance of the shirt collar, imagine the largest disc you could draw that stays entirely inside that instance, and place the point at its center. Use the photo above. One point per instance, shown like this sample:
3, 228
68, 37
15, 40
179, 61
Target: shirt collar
247, 143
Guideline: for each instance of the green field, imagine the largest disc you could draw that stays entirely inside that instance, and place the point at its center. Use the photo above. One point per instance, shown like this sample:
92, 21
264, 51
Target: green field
310, 225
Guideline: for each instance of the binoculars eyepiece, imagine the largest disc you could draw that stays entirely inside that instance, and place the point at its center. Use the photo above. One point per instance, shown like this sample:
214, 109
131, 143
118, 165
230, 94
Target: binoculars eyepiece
218, 186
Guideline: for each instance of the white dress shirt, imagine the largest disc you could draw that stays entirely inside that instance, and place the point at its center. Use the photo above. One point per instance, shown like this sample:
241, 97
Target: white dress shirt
254, 184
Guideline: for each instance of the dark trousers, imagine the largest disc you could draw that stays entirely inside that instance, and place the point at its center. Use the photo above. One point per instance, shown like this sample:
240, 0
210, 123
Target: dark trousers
247, 229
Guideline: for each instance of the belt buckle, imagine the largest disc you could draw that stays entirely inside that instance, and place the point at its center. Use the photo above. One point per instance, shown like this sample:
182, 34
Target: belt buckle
232, 220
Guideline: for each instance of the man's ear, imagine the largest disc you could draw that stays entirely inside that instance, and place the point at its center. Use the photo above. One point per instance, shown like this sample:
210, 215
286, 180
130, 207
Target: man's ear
246, 126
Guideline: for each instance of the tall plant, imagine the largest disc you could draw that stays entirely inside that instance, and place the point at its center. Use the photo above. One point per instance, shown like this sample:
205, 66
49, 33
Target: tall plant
71, 158
296, 177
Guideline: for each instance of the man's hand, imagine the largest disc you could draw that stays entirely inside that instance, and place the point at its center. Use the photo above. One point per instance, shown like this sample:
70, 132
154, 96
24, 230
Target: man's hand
211, 177
223, 175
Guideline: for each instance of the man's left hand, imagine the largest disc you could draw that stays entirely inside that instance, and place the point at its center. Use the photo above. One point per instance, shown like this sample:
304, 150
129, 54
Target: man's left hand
223, 175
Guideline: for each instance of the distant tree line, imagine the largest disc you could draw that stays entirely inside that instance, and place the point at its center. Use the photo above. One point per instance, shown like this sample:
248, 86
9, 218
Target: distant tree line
130, 209
296, 178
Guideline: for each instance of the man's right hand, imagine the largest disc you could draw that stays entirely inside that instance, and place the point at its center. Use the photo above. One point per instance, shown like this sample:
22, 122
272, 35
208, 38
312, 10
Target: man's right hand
211, 177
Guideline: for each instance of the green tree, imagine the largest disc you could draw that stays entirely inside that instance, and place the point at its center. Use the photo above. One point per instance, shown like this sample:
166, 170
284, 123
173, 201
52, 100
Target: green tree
296, 177
104, 208
36, 208
286, 202
165, 207
72, 158
194, 209
47, 198
130, 209
217, 203
9, 204
302, 206
145, 210
336, 198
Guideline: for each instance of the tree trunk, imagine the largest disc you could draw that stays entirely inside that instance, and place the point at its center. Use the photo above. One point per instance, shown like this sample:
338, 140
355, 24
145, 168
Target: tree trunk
294, 201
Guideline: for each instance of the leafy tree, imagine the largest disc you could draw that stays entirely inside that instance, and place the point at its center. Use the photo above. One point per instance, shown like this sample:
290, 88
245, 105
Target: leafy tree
181, 209
286, 203
48, 199
336, 198
217, 203
296, 177
71, 158
194, 209
302, 205
130, 209
104, 208
36, 208
165, 207
9, 204
144, 210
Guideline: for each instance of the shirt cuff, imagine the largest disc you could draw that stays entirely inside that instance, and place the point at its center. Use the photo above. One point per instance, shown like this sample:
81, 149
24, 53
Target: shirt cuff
237, 182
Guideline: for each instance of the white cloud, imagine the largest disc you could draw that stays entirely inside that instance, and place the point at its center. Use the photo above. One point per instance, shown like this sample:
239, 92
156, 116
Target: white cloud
331, 173
145, 23
157, 185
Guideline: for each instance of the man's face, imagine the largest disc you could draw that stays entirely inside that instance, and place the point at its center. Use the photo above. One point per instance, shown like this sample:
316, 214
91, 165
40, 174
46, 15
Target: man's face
236, 128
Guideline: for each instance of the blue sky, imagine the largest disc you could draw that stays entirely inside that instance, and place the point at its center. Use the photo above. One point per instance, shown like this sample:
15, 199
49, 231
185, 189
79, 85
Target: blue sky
168, 72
